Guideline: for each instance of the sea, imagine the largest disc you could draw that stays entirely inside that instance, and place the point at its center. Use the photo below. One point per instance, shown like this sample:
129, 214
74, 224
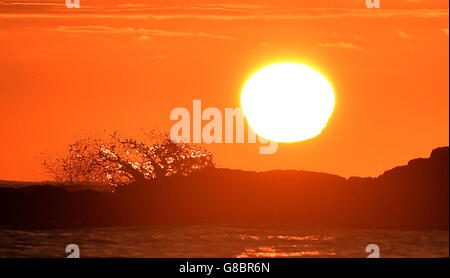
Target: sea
223, 242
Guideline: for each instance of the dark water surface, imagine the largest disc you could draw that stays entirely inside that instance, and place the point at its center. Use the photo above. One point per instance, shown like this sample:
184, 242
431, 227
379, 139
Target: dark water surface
202, 241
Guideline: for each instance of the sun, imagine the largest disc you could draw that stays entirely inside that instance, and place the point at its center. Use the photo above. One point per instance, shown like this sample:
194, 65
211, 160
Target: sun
287, 102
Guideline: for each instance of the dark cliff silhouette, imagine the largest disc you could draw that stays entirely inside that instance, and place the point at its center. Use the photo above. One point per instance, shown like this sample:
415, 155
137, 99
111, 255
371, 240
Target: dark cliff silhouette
414, 196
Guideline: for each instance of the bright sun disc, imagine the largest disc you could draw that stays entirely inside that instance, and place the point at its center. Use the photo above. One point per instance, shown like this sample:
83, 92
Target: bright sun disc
287, 102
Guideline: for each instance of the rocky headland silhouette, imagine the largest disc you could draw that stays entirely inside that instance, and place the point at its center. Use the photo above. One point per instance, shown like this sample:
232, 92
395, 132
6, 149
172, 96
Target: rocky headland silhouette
413, 196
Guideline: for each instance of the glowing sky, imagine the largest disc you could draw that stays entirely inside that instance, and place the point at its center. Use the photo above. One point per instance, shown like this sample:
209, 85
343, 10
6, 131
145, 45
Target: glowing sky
125, 65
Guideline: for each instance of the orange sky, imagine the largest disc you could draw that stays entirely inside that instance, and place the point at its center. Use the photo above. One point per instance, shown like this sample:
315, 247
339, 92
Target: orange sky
125, 65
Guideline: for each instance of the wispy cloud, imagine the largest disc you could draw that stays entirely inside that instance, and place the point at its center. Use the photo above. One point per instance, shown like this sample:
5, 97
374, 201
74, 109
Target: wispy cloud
343, 45
266, 44
143, 38
144, 34
61, 3
215, 6
305, 14
403, 34
235, 6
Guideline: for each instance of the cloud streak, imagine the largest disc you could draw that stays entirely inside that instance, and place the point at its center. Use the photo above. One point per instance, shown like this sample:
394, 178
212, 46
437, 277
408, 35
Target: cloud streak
301, 14
343, 45
61, 3
144, 34
403, 35
213, 7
